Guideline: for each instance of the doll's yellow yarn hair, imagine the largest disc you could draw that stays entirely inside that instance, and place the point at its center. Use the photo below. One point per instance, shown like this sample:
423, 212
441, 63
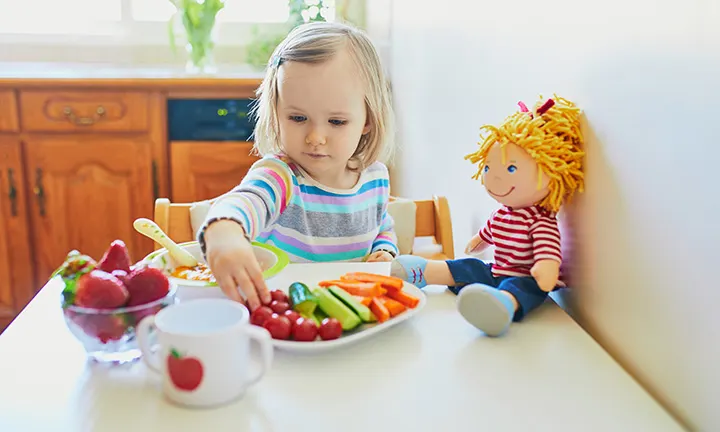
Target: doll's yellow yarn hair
551, 137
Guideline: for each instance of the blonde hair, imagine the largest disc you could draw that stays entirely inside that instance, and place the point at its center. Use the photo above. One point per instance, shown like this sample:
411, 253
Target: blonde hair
318, 42
551, 135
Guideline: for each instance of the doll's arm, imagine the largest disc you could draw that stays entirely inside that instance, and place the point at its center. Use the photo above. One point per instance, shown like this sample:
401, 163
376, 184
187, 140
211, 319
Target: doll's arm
480, 241
546, 273
476, 245
545, 237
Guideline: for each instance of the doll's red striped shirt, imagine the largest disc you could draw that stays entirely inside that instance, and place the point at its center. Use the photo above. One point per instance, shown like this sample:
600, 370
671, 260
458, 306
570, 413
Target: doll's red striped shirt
521, 237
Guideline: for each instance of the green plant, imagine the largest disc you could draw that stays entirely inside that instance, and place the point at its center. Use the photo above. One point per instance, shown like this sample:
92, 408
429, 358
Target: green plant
198, 20
301, 11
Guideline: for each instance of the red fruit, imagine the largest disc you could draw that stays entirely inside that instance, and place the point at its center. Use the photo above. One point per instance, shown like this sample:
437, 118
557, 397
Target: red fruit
259, 315
145, 285
138, 316
105, 328
280, 296
186, 373
304, 330
99, 289
279, 326
116, 257
330, 329
279, 307
292, 315
120, 274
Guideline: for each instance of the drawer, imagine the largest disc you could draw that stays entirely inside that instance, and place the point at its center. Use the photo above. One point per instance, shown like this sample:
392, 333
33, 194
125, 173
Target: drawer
84, 111
8, 112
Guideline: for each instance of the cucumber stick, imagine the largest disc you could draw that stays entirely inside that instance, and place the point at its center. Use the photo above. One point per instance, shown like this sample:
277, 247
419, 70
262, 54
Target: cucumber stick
302, 300
360, 309
334, 308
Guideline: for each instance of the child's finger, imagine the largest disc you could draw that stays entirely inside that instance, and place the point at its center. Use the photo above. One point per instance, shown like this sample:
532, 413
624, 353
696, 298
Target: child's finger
229, 287
256, 276
248, 288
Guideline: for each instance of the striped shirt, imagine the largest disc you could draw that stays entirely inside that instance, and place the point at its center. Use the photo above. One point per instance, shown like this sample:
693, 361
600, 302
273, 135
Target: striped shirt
278, 203
521, 238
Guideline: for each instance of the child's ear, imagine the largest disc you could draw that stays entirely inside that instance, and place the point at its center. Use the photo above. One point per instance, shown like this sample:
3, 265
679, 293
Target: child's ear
368, 125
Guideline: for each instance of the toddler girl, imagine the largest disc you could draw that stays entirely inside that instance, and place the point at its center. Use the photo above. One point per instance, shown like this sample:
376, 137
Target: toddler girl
324, 118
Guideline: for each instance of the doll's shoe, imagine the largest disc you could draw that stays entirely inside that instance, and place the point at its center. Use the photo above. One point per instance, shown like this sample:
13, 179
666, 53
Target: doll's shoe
486, 308
409, 268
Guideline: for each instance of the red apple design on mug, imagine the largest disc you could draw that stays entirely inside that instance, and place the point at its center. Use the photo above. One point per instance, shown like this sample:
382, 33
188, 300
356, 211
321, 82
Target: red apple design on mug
186, 373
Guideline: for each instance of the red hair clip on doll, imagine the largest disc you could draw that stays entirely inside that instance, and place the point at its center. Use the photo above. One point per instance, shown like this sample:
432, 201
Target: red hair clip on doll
531, 165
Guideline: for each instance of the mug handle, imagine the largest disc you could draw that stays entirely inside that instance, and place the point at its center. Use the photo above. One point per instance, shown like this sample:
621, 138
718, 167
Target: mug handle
264, 340
142, 333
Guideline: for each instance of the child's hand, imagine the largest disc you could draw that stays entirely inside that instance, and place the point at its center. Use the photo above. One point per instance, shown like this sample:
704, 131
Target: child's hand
379, 256
546, 273
231, 259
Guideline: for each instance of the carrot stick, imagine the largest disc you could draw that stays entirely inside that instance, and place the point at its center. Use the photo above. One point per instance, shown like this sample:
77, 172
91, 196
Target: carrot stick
387, 282
379, 310
393, 306
366, 300
404, 298
363, 289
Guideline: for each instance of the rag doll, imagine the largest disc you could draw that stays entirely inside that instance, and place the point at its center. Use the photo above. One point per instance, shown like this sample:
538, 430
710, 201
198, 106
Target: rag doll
531, 164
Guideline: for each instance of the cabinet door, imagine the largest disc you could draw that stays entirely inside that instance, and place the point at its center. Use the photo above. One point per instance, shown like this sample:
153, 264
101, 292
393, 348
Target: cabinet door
205, 170
16, 277
87, 191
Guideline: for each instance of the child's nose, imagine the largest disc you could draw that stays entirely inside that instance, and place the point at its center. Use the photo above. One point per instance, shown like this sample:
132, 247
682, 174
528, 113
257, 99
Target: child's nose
315, 137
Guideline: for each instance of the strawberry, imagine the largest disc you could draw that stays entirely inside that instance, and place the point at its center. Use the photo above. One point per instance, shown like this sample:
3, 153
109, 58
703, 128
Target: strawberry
99, 289
106, 328
116, 257
146, 284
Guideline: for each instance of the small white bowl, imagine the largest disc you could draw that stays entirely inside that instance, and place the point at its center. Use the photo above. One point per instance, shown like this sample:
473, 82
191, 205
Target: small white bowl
272, 260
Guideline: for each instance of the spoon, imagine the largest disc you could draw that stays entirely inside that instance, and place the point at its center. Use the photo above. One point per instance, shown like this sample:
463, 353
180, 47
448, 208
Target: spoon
150, 229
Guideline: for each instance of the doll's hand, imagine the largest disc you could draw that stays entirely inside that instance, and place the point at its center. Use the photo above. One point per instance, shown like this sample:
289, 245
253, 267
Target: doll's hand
546, 273
379, 256
476, 245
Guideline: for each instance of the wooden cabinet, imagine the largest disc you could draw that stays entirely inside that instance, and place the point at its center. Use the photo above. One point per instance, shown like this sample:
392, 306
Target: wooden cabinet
82, 158
87, 191
17, 285
204, 170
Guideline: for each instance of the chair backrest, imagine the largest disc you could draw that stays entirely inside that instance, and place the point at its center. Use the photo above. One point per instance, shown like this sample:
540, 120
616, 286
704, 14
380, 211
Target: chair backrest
432, 219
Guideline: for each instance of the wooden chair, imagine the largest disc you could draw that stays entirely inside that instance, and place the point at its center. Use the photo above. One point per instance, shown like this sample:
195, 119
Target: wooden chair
432, 222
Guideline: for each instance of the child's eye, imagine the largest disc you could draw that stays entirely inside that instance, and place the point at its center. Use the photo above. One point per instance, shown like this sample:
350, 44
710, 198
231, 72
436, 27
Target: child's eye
298, 118
511, 168
487, 168
337, 122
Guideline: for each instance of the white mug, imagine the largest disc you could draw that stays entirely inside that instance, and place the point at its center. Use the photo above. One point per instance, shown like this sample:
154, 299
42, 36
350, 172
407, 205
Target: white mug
204, 350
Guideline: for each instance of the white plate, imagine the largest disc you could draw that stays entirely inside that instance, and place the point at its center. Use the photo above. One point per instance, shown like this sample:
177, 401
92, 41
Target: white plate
311, 274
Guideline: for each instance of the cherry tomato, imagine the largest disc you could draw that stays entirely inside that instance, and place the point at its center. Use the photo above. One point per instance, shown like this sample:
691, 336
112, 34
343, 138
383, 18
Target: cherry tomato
259, 316
279, 326
292, 315
304, 330
330, 329
279, 307
280, 296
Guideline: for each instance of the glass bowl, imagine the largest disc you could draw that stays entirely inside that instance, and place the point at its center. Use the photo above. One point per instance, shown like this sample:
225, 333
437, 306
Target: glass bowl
108, 335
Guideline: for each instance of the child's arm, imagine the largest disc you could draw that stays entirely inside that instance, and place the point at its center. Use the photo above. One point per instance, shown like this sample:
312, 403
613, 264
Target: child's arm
256, 202
386, 239
546, 252
482, 240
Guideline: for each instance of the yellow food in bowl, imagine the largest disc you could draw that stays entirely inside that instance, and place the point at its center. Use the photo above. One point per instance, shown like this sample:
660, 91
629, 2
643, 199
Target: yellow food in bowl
200, 272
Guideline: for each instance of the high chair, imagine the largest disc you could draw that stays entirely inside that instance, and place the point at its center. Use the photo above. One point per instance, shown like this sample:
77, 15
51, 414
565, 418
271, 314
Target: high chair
431, 222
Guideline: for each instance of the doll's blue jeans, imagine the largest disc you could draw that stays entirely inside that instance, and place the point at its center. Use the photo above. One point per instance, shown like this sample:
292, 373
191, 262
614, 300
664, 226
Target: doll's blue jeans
467, 271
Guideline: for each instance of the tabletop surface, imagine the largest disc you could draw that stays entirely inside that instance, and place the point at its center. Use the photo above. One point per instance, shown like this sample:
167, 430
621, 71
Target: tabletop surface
432, 371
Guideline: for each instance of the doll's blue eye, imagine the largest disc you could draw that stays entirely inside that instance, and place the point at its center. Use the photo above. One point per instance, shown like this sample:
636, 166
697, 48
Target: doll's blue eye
512, 168
486, 169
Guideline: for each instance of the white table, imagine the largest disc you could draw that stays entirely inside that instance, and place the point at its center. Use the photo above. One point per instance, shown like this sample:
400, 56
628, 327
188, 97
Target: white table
431, 372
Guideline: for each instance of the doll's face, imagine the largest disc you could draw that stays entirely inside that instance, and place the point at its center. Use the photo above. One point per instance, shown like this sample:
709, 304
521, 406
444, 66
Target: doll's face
513, 183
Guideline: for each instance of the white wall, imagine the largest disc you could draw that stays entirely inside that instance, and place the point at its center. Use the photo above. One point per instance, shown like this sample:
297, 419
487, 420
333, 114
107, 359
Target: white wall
647, 74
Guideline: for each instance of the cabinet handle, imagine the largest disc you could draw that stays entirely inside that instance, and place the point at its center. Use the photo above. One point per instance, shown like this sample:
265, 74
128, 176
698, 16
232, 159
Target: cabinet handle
156, 185
83, 121
39, 191
12, 192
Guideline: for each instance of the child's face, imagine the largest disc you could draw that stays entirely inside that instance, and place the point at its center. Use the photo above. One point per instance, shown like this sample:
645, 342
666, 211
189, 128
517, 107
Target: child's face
322, 115
515, 182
